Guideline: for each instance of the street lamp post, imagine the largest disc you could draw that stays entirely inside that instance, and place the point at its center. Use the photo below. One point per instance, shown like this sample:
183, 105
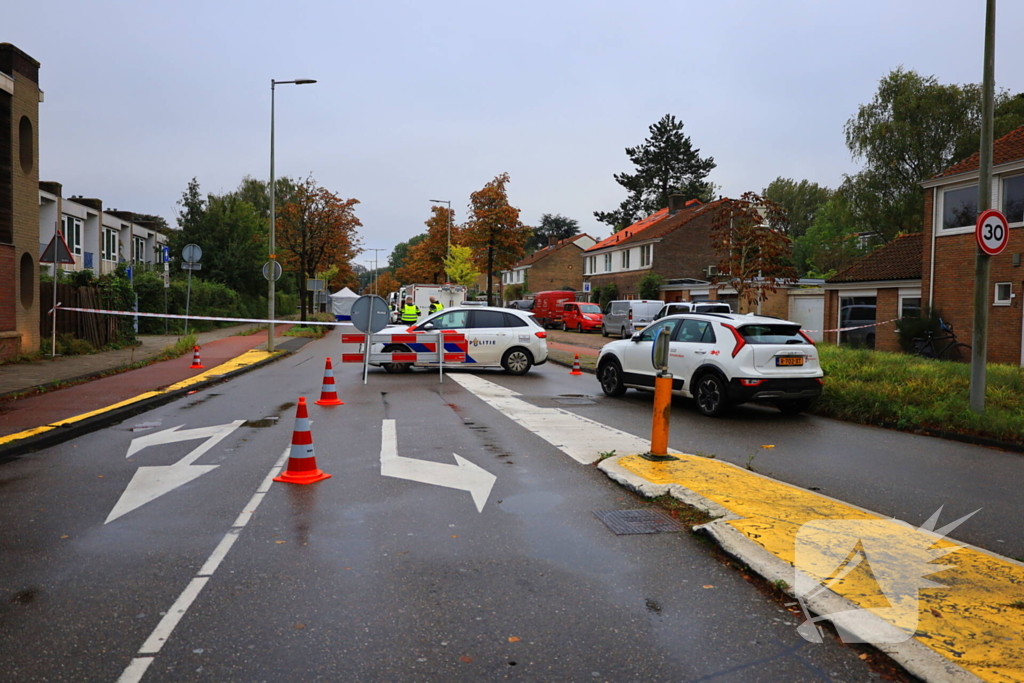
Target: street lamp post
449, 214
375, 274
272, 286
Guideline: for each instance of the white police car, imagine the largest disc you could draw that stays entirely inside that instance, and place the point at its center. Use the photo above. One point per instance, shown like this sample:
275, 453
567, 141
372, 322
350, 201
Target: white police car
495, 337
719, 360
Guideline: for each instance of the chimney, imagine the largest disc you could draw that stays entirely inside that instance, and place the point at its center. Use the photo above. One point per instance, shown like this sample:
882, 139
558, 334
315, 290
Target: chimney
676, 202
552, 240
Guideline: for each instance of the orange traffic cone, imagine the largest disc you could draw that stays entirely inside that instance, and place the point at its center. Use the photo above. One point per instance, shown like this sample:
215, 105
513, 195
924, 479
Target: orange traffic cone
302, 467
196, 363
328, 394
576, 366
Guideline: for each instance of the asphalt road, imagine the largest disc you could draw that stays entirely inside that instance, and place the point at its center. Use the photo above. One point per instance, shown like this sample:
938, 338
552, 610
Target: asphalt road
363, 577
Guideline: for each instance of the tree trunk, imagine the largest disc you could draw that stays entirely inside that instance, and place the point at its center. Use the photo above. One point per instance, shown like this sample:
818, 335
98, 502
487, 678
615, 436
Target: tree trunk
490, 275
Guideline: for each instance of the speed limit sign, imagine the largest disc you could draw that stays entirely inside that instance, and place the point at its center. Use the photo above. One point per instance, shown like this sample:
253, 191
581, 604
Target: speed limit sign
992, 232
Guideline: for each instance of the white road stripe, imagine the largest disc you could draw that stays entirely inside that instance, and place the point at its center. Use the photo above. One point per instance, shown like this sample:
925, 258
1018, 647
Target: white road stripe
578, 437
137, 668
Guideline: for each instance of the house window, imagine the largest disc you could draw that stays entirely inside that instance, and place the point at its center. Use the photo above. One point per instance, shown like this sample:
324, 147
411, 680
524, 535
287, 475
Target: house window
910, 306
593, 265
1004, 292
625, 259
607, 263
959, 207
645, 255
139, 249
1013, 199
109, 244
73, 234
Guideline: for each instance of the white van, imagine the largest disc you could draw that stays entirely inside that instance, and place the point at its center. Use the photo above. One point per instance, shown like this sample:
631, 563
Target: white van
628, 316
693, 307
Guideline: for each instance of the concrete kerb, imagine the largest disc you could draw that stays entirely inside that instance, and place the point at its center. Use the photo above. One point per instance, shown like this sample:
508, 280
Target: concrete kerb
67, 431
912, 655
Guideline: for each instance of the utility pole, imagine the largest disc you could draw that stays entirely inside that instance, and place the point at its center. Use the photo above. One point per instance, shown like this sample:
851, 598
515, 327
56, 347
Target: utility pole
375, 274
979, 346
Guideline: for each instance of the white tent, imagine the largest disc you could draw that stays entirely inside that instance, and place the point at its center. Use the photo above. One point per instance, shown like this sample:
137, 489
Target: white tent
341, 303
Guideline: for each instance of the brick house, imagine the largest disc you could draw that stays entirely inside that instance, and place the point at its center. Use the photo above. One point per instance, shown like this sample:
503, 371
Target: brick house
951, 208
556, 266
19, 201
876, 289
674, 243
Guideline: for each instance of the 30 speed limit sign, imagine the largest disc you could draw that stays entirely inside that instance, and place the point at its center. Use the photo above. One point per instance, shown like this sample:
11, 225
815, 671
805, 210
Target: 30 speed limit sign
992, 232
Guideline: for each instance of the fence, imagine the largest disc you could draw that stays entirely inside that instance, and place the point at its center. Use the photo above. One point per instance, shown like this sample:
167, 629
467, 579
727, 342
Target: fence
98, 330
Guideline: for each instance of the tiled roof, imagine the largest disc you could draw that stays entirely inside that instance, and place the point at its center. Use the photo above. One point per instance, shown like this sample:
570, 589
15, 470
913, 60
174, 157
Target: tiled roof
897, 260
548, 250
658, 224
1008, 148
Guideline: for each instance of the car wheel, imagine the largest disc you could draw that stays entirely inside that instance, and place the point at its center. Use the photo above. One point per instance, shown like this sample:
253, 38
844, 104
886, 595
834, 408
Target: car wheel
396, 368
710, 395
610, 377
579, 327
517, 361
795, 406
624, 335
604, 332
565, 328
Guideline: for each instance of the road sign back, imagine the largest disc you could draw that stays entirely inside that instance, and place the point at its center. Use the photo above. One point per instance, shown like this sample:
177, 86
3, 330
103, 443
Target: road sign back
370, 314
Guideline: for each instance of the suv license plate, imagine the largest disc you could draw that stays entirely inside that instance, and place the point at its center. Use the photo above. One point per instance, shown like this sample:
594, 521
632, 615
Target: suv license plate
789, 360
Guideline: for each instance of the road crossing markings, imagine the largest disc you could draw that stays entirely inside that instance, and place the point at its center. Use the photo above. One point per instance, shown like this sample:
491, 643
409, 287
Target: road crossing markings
463, 475
138, 666
578, 437
149, 483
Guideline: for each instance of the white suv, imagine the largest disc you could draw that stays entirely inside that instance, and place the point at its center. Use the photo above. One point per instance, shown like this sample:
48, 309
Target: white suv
719, 360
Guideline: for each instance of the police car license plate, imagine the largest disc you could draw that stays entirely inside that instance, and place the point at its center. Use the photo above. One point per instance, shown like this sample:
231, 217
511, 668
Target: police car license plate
789, 360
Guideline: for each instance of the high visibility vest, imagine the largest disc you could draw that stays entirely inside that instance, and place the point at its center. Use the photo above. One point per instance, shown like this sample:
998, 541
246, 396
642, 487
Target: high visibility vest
436, 306
410, 313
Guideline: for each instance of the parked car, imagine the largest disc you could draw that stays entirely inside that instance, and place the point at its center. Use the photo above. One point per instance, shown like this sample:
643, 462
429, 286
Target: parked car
720, 360
522, 304
626, 317
677, 307
495, 337
547, 307
581, 317
862, 317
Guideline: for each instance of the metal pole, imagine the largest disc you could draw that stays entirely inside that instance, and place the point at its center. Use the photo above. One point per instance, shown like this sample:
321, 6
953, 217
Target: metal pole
56, 278
979, 347
188, 297
271, 285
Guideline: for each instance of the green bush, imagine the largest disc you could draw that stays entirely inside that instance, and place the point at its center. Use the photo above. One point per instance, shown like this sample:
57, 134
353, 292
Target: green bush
69, 345
911, 328
650, 286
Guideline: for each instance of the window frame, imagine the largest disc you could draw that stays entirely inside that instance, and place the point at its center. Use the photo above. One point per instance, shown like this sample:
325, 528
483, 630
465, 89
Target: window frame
996, 300
645, 255
624, 259
608, 262
1002, 198
941, 209
109, 245
72, 231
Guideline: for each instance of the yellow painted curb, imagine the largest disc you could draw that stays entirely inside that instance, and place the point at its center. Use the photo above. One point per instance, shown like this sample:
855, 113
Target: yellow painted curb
968, 619
246, 359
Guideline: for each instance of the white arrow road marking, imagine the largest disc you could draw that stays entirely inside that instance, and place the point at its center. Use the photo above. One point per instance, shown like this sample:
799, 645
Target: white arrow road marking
149, 483
578, 437
463, 475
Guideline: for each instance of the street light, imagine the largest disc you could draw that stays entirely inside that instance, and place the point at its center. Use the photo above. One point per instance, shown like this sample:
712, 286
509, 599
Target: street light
375, 274
449, 214
272, 287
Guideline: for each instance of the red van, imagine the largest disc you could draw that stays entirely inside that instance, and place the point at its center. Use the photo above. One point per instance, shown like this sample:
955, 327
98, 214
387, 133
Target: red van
547, 307
581, 317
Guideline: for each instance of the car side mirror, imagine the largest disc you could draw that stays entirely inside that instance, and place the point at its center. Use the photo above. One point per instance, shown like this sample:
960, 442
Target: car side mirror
636, 337
428, 326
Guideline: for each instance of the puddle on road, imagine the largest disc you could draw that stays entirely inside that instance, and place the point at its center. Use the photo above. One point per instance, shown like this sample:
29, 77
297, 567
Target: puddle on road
199, 401
285, 406
260, 424
25, 597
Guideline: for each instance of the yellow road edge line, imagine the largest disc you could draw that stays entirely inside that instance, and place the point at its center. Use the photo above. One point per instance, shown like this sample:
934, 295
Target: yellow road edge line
244, 360
968, 619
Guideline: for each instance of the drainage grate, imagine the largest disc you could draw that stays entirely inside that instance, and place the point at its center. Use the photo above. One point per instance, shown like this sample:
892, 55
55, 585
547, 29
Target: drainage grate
575, 401
645, 521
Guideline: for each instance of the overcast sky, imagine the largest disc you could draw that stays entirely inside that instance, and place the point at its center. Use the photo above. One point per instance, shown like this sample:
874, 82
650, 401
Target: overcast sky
431, 100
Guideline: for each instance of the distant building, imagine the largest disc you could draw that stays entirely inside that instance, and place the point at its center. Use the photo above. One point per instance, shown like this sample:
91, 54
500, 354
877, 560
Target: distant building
19, 201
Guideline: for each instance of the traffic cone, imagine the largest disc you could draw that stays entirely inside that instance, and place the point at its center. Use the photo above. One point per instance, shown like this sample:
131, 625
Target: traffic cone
196, 363
302, 467
328, 394
576, 366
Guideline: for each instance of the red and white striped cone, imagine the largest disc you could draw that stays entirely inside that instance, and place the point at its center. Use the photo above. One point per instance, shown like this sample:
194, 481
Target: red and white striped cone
196, 363
302, 467
576, 366
328, 394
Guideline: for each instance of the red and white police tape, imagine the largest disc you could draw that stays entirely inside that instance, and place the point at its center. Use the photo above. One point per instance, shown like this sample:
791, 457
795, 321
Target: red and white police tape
858, 327
332, 323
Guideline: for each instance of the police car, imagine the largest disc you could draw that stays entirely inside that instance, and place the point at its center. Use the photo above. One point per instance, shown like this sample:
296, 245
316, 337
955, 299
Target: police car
495, 337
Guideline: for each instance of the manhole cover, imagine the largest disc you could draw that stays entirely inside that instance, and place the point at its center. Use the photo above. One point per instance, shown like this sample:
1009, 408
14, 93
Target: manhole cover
645, 521
575, 401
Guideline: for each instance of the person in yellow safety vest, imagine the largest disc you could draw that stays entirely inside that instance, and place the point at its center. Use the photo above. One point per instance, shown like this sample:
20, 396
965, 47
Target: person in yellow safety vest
435, 305
410, 312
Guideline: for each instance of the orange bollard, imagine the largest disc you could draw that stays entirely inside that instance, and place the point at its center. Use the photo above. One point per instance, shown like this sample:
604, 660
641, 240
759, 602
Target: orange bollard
660, 423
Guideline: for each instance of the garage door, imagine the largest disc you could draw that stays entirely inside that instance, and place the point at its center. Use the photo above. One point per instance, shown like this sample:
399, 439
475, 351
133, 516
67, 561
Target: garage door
809, 311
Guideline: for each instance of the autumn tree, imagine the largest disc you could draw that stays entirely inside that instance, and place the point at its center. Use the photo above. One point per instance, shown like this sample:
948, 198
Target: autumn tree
749, 237
425, 260
400, 254
494, 232
386, 283
666, 164
459, 266
317, 230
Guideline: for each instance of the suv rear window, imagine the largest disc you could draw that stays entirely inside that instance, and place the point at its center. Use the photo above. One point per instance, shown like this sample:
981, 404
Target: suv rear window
772, 334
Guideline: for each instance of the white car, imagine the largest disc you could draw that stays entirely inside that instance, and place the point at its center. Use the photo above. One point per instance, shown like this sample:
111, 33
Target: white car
495, 337
719, 360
